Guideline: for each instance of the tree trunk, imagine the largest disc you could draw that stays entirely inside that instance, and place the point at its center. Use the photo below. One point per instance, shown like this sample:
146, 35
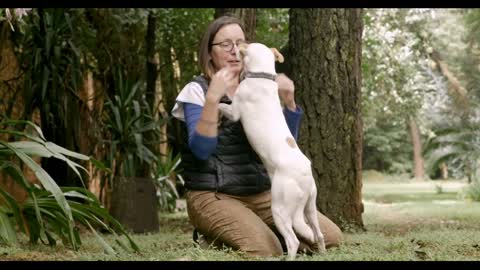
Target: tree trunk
151, 79
246, 15
418, 170
169, 93
134, 204
152, 64
325, 47
455, 85
443, 171
12, 105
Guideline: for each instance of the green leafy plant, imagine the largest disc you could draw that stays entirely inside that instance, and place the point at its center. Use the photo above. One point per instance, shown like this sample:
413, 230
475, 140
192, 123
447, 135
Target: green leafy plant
52, 56
166, 174
14, 16
133, 128
50, 212
438, 189
387, 148
458, 146
472, 191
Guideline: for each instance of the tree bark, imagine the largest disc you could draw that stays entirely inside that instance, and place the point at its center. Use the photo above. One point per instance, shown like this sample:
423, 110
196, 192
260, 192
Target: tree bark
134, 204
325, 47
443, 171
152, 62
418, 170
246, 15
457, 88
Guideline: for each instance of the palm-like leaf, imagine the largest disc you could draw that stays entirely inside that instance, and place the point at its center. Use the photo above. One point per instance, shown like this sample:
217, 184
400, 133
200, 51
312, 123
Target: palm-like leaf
461, 143
7, 230
167, 193
134, 131
49, 210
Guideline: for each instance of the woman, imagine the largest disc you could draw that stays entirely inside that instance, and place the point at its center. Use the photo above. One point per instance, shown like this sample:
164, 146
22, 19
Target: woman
228, 190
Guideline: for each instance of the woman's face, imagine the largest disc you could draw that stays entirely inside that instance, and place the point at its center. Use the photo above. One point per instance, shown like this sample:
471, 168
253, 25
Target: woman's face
220, 56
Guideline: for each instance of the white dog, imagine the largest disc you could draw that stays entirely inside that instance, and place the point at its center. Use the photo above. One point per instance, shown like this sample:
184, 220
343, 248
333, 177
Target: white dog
257, 104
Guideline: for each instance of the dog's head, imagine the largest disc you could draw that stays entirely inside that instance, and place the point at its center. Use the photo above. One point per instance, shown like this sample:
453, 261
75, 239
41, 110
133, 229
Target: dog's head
259, 58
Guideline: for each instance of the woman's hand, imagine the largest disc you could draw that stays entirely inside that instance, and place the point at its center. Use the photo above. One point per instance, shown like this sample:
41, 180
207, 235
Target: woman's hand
286, 91
221, 83
225, 81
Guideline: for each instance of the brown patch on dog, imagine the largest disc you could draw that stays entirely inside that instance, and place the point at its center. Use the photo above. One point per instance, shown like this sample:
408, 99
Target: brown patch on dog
291, 142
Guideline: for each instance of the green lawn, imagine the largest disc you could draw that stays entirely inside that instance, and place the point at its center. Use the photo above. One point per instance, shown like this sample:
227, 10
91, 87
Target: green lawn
404, 221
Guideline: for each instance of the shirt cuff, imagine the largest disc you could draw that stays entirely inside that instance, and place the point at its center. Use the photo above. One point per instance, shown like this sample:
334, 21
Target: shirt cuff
298, 111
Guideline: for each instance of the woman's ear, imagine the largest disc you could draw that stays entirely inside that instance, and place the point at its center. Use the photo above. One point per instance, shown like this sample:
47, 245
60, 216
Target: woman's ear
278, 56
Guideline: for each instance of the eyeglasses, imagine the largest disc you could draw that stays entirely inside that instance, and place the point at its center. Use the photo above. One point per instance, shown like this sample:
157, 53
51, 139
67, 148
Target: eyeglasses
227, 45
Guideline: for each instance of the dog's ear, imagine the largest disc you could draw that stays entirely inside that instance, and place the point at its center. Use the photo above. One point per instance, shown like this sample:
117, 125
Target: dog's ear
278, 55
242, 48
241, 51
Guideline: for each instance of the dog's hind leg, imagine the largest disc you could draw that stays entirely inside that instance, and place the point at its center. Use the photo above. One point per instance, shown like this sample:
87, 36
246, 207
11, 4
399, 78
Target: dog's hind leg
299, 225
283, 222
312, 219
284, 207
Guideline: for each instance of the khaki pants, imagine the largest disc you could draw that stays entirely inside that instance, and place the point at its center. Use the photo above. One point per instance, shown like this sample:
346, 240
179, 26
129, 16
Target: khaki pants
245, 223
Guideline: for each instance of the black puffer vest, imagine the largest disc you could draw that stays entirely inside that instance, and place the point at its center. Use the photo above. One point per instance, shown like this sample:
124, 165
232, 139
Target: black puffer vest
234, 168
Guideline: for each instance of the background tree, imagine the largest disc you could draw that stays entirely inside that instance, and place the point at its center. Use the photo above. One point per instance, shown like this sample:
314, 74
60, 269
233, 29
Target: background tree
246, 15
444, 40
454, 138
397, 81
471, 60
325, 47
272, 27
178, 38
419, 73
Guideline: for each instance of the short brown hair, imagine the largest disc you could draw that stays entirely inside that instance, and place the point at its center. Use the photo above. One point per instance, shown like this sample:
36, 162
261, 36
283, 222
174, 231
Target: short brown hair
206, 66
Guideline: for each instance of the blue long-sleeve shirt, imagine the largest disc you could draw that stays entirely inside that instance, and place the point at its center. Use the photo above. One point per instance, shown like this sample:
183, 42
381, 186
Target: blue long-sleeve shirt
203, 146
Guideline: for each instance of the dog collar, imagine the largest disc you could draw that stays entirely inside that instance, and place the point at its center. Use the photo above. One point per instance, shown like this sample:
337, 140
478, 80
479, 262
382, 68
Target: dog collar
260, 75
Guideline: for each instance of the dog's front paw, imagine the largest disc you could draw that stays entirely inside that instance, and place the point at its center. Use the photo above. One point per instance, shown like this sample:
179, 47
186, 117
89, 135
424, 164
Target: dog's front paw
226, 110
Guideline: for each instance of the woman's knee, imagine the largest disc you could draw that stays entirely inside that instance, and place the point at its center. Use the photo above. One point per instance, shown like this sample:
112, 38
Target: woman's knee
268, 246
331, 232
334, 237
232, 224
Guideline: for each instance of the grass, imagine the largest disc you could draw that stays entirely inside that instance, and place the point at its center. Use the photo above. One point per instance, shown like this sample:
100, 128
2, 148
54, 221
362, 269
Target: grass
404, 221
